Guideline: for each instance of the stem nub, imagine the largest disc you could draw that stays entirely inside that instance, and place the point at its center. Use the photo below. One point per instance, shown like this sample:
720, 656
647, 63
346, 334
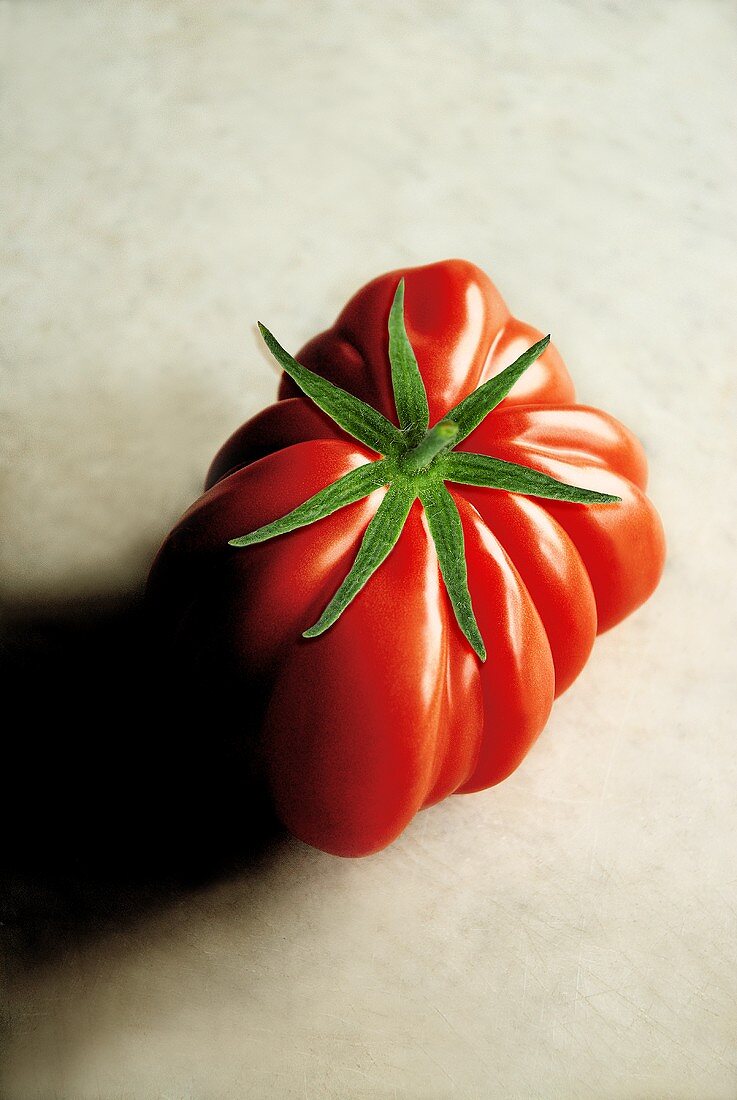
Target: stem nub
436, 440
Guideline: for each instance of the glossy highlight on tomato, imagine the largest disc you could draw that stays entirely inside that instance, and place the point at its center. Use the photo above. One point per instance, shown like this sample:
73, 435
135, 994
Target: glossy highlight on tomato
390, 709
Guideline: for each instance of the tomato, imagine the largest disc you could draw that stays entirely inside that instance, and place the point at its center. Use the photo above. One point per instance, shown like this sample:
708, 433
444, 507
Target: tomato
391, 707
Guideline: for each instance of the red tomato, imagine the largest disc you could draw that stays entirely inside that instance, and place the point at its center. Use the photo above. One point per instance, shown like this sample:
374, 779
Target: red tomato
391, 710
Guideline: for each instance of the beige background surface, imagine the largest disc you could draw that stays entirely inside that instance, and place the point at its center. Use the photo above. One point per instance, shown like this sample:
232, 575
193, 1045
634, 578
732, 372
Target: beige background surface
174, 171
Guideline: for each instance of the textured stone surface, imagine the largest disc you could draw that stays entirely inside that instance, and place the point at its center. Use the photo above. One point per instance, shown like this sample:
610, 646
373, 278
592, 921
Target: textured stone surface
174, 171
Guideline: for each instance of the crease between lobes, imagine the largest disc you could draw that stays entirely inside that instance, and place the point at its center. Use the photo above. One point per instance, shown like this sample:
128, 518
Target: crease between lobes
546, 430
547, 381
367, 720
518, 680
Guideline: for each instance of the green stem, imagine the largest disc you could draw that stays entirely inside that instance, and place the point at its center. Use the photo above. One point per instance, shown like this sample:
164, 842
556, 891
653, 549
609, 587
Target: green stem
437, 439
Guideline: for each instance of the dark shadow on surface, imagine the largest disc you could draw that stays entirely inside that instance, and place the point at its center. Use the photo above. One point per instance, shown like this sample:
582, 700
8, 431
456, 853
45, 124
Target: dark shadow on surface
125, 783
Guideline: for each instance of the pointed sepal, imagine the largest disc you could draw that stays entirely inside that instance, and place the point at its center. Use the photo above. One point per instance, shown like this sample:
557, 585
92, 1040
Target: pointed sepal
346, 490
446, 529
380, 538
353, 415
410, 396
469, 413
466, 468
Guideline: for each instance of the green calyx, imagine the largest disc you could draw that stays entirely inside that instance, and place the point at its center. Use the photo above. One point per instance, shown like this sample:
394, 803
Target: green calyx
416, 463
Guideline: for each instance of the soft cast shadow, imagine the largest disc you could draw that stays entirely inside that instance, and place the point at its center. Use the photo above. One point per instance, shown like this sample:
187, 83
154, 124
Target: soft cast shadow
125, 782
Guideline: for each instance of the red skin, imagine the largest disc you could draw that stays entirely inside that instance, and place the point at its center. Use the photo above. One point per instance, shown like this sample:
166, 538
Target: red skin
390, 710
